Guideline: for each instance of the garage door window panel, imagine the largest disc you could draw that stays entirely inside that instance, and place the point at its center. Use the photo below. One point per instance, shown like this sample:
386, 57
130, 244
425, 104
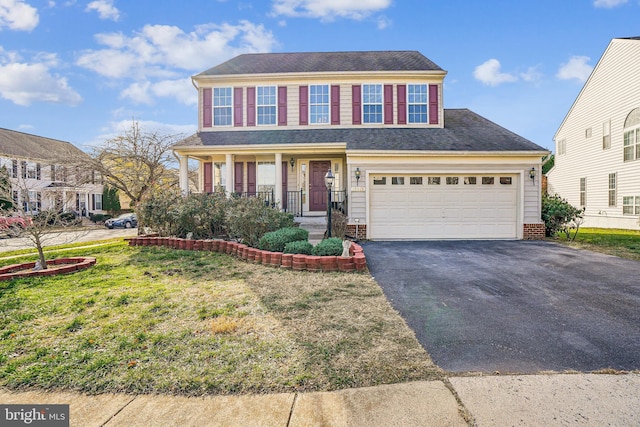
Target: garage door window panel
433, 180
380, 180
397, 180
506, 180
415, 180
488, 180
452, 180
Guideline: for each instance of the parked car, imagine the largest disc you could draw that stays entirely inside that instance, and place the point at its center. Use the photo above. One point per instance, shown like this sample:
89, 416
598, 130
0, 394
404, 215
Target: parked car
12, 226
127, 220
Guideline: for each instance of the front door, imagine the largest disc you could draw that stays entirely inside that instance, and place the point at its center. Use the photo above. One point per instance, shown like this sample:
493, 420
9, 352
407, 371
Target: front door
317, 189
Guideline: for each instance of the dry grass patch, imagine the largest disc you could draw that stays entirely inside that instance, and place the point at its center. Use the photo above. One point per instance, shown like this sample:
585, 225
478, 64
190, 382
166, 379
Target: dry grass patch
157, 320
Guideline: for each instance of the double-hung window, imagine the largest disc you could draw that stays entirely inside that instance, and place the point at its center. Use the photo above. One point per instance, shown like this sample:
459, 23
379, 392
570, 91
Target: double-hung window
417, 103
372, 103
318, 104
266, 105
612, 189
632, 136
631, 205
583, 192
222, 106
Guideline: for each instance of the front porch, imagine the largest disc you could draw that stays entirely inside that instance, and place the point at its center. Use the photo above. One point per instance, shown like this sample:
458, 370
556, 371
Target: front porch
293, 181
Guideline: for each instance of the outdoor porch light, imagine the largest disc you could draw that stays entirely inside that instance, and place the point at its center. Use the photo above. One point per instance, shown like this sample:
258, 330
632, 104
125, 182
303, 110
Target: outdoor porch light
328, 181
532, 174
292, 162
357, 174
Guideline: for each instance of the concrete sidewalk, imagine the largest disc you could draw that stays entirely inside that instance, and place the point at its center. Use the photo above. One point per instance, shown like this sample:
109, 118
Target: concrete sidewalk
531, 400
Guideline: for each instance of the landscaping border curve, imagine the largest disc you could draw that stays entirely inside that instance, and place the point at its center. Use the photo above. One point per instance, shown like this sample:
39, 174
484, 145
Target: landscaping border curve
299, 262
65, 265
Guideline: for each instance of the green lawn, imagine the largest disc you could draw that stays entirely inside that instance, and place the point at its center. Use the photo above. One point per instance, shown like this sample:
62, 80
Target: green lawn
158, 320
622, 243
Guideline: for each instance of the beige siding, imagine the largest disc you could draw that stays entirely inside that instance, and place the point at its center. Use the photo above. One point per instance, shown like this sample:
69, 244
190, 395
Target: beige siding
611, 93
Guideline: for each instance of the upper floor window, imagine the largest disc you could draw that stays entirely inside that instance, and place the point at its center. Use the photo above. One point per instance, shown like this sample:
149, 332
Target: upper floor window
562, 147
222, 106
606, 135
372, 103
632, 136
417, 103
319, 104
266, 105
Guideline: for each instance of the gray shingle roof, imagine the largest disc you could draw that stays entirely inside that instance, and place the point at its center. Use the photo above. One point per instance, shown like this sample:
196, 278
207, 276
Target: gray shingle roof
26, 146
464, 131
312, 62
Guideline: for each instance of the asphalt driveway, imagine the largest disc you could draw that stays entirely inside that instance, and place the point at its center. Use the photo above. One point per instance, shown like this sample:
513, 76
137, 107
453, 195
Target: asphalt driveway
513, 306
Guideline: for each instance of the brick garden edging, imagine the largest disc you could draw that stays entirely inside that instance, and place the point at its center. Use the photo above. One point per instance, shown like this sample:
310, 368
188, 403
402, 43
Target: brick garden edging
298, 262
66, 265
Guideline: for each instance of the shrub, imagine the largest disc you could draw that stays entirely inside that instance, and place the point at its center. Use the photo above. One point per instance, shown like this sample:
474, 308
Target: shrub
331, 246
248, 219
299, 247
275, 241
339, 223
160, 212
202, 215
99, 218
559, 216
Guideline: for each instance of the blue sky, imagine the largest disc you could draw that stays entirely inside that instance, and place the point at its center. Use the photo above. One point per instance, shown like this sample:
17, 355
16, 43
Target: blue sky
81, 70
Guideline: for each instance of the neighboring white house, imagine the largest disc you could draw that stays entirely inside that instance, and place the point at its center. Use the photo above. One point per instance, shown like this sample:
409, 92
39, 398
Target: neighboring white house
597, 160
39, 182
272, 125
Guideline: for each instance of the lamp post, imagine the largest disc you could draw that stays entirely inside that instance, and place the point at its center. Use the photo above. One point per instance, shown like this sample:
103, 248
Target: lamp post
328, 181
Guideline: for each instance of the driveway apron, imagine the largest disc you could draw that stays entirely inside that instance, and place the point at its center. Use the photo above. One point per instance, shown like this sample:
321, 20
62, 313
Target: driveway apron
513, 306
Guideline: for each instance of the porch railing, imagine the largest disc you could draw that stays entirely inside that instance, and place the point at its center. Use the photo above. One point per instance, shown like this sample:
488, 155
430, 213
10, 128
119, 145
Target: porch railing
293, 200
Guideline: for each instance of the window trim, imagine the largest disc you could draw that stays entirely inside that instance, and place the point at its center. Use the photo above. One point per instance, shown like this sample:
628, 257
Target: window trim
367, 115
260, 116
612, 192
634, 205
562, 147
312, 104
606, 135
425, 104
215, 107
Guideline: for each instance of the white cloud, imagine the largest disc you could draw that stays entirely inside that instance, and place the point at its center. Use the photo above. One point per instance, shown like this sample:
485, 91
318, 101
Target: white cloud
608, 4
145, 92
105, 9
489, 73
18, 15
577, 68
166, 51
26, 83
329, 9
156, 57
531, 75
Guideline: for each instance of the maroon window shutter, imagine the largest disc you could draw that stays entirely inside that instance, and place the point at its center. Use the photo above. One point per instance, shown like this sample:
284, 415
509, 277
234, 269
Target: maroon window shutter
356, 104
251, 106
207, 108
285, 179
388, 104
282, 105
208, 178
251, 178
335, 105
433, 104
237, 107
402, 104
304, 105
237, 179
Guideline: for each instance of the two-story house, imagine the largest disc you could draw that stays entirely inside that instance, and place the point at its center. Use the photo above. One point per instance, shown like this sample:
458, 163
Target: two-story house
40, 179
597, 159
404, 167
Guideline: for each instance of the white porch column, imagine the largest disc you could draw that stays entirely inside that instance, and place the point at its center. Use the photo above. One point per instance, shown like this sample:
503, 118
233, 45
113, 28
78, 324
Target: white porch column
229, 186
184, 174
278, 192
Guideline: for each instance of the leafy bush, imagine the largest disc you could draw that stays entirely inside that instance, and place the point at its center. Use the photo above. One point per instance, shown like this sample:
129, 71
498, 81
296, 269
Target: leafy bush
299, 247
160, 212
331, 246
202, 215
275, 241
248, 219
559, 216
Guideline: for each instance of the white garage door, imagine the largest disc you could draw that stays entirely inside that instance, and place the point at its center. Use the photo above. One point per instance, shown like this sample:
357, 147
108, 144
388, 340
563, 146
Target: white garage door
443, 206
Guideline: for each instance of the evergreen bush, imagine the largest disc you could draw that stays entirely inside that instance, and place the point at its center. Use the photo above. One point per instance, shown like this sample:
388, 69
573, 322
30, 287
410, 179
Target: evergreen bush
331, 247
299, 247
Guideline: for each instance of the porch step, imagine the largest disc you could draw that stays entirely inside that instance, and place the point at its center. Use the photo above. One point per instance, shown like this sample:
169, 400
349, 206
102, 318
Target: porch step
316, 226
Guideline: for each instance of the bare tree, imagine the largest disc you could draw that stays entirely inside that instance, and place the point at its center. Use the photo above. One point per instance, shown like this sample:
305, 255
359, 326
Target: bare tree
41, 227
136, 162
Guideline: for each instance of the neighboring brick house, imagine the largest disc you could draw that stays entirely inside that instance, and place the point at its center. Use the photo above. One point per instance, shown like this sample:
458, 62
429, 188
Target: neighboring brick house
597, 160
272, 125
40, 182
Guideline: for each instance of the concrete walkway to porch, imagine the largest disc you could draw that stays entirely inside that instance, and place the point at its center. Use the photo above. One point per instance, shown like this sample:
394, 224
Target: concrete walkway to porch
315, 225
